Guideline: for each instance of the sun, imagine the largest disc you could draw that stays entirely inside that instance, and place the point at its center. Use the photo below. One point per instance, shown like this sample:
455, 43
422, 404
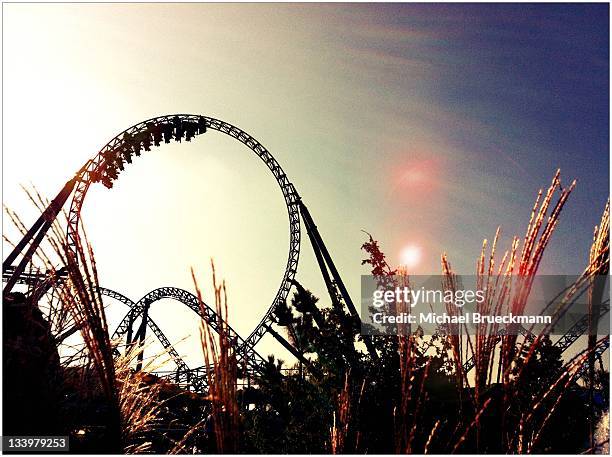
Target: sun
410, 256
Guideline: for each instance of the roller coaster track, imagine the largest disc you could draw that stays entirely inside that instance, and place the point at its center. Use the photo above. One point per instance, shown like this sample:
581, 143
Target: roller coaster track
174, 127
245, 352
105, 168
579, 328
583, 372
563, 343
195, 377
471, 362
176, 358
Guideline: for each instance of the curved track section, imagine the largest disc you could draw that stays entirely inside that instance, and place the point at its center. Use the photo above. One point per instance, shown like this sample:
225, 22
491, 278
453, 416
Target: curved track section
180, 364
245, 352
111, 159
182, 369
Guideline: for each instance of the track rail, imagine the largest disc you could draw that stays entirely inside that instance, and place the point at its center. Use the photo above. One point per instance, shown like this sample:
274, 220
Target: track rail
106, 165
245, 352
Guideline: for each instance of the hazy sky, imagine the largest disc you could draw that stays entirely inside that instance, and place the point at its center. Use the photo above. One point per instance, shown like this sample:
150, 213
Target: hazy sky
426, 125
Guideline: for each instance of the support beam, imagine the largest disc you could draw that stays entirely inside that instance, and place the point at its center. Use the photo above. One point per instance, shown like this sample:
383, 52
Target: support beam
331, 288
35, 236
130, 329
140, 337
298, 355
326, 263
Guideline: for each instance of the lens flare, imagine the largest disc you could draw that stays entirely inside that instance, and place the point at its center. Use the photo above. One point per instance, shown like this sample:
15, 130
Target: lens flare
410, 256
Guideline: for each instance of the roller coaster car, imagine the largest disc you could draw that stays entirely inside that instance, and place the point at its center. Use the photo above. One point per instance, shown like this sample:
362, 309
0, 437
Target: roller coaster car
126, 153
146, 141
120, 163
111, 172
167, 131
136, 146
95, 176
191, 129
127, 141
156, 132
178, 128
201, 125
109, 158
107, 182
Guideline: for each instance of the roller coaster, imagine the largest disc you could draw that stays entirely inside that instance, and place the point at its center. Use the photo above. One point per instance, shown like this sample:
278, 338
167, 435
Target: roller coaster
104, 168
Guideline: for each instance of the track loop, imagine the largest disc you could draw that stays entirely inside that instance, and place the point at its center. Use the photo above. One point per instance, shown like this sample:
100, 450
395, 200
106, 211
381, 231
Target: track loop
107, 164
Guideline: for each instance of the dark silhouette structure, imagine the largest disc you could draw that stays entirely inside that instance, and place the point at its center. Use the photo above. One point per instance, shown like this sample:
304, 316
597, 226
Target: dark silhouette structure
105, 168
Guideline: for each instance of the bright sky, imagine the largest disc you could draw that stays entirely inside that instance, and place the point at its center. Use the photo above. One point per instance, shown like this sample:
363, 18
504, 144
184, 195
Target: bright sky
426, 125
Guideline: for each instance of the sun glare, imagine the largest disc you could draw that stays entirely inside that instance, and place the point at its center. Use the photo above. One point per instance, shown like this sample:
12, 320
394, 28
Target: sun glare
410, 256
